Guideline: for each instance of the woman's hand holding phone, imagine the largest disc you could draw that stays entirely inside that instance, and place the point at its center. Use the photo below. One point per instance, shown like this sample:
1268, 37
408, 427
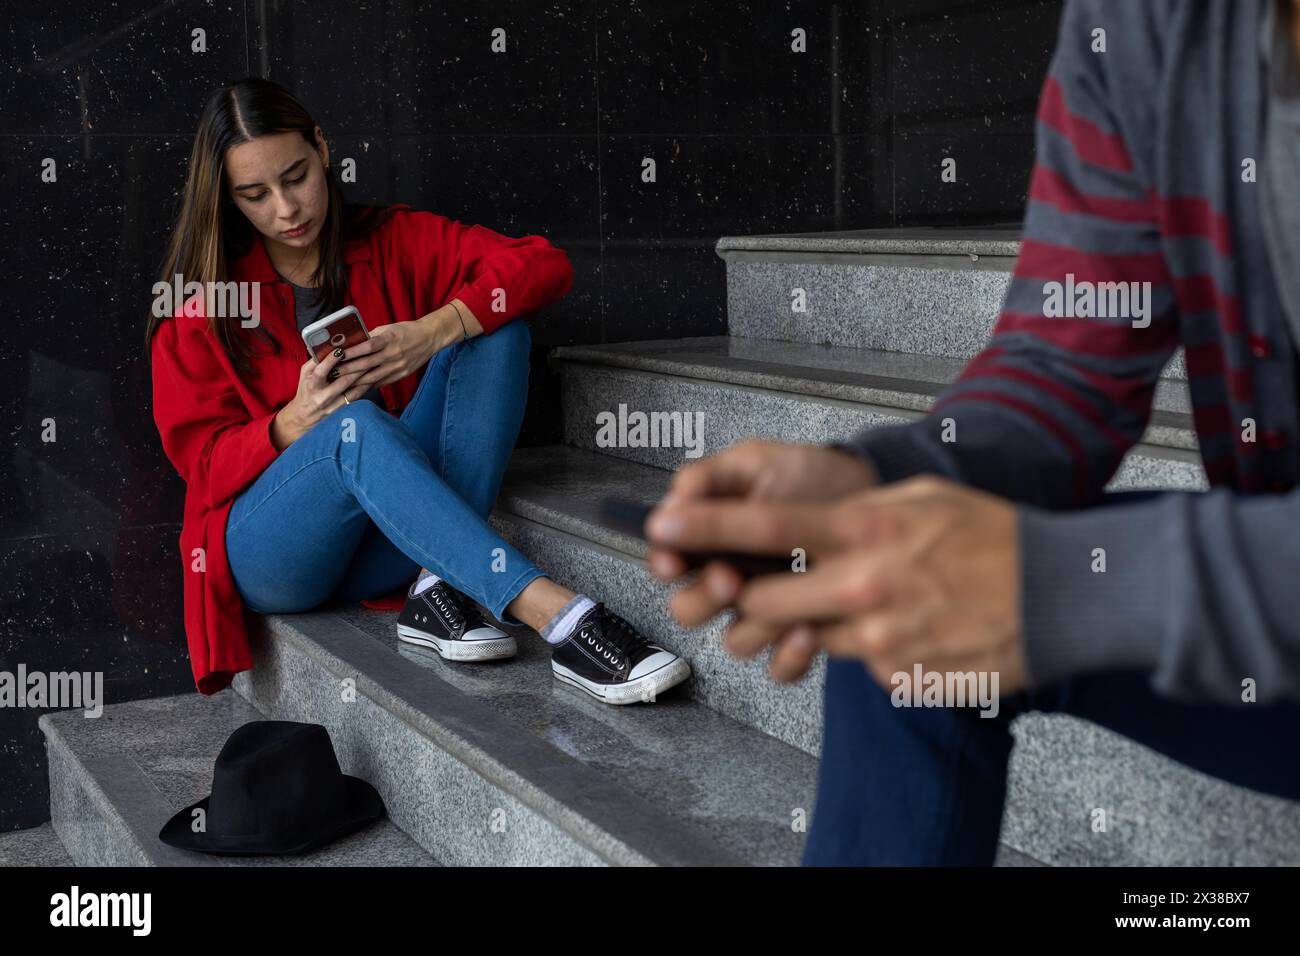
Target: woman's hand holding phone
321, 389
391, 353
396, 350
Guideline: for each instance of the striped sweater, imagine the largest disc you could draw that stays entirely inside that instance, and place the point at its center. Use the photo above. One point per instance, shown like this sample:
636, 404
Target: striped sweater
1142, 175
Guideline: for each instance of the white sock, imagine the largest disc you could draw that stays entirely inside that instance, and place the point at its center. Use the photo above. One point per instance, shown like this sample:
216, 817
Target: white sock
427, 579
562, 625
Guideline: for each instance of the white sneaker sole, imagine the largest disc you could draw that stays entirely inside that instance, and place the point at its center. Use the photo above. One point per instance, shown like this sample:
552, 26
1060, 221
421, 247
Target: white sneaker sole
486, 650
643, 689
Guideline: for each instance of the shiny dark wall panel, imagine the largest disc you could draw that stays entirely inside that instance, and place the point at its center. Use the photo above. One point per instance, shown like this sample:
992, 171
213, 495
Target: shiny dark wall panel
549, 137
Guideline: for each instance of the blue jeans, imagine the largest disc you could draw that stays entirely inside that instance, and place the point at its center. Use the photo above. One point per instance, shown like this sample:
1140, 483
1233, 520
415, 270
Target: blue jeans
357, 505
926, 786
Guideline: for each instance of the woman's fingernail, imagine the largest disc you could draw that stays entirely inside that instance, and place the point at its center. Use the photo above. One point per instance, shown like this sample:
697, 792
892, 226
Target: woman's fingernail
338, 353
720, 588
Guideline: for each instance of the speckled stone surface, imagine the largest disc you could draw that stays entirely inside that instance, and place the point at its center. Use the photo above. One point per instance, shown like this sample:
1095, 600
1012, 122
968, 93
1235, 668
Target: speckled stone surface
92, 831
1172, 470
1158, 812
116, 779
35, 846
935, 300
895, 306
1170, 813
498, 763
1008, 857
989, 241
867, 376
732, 413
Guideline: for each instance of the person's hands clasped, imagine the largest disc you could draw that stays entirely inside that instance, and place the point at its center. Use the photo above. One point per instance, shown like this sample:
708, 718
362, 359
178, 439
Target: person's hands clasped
921, 571
753, 470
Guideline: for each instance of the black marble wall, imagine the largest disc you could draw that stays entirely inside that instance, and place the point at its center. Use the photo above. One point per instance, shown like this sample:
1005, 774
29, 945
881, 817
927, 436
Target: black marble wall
547, 137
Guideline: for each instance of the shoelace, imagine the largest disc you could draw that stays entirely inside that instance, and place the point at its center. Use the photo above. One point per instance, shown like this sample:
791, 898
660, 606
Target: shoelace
447, 604
612, 630
459, 604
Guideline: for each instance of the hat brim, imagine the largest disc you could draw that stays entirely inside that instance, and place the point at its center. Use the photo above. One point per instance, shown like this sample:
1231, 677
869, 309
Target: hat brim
362, 806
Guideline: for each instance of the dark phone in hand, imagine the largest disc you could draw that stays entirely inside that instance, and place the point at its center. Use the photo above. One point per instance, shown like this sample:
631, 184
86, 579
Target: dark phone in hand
629, 517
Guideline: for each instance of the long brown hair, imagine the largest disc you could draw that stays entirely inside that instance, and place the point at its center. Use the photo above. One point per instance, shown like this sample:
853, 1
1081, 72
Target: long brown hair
211, 232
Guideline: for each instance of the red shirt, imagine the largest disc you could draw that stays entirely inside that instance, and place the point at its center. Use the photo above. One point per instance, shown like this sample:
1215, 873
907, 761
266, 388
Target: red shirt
215, 426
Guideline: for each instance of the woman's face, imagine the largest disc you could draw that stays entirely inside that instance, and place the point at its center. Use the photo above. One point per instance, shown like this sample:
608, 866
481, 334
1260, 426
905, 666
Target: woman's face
278, 182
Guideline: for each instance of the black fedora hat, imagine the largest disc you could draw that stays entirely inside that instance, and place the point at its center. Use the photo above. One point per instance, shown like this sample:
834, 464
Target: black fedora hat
276, 789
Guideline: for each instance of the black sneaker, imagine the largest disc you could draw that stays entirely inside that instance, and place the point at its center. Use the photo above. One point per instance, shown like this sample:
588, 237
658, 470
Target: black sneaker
606, 657
442, 618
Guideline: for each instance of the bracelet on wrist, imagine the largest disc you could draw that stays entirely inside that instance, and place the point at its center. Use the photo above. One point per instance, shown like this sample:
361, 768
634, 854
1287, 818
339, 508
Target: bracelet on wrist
463, 329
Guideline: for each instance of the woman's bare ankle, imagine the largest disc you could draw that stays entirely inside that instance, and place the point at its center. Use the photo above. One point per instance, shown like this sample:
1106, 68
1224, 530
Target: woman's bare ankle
539, 602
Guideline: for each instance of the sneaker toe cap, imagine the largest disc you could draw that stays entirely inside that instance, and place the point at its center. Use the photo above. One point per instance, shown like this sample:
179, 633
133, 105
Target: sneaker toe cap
656, 661
484, 633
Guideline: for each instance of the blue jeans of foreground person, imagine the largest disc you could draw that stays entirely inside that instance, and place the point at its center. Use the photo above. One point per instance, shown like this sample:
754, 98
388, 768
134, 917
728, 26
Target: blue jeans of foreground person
332, 519
926, 786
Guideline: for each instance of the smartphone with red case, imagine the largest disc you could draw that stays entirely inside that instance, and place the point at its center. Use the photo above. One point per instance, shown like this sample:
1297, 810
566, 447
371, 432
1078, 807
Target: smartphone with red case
341, 329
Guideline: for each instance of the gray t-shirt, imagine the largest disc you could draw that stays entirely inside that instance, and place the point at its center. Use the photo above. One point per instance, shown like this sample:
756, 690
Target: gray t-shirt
307, 308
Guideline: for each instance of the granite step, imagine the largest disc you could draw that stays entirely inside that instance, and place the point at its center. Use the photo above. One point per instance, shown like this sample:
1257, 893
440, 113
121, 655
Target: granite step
1162, 813
33, 846
500, 764
116, 779
926, 291
786, 391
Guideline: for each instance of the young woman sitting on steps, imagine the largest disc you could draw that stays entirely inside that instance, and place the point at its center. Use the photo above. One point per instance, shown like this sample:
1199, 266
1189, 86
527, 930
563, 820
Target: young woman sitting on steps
310, 483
